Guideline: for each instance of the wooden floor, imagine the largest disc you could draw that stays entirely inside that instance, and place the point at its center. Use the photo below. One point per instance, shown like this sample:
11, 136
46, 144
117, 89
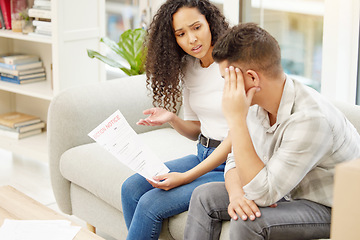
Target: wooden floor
31, 177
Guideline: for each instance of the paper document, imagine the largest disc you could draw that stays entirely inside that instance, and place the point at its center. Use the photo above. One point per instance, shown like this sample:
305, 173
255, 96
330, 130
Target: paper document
116, 136
38, 230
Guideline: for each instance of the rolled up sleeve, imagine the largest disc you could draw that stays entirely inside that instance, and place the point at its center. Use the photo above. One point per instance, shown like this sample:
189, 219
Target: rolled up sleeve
230, 163
300, 147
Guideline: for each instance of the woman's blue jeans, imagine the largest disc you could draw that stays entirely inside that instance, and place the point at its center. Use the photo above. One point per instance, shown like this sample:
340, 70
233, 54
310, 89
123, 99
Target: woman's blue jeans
145, 207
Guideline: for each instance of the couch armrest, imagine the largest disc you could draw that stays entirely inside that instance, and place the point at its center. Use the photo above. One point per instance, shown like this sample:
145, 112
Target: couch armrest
76, 111
345, 212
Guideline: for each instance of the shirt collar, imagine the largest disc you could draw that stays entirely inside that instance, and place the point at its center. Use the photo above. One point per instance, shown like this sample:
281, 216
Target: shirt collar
285, 107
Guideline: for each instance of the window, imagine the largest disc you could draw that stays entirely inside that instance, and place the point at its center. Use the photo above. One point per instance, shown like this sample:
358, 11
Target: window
298, 27
120, 16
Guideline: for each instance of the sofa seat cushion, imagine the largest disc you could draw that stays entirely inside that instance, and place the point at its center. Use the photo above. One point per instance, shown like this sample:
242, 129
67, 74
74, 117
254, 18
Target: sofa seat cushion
94, 169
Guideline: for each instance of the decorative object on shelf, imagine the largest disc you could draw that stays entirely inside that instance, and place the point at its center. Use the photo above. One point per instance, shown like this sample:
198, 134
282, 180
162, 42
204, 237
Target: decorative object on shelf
130, 47
27, 26
20, 125
19, 15
6, 12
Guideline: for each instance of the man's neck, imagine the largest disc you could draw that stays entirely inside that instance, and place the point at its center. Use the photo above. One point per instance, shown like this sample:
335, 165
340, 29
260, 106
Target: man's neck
271, 99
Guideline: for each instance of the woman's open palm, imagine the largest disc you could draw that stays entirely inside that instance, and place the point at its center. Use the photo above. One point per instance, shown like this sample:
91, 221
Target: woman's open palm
158, 116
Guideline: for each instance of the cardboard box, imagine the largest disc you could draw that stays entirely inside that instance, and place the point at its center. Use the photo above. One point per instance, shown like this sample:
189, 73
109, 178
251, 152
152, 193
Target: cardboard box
345, 219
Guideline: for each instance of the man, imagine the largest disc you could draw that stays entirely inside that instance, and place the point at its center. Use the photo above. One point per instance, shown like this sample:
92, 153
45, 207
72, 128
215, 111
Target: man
279, 176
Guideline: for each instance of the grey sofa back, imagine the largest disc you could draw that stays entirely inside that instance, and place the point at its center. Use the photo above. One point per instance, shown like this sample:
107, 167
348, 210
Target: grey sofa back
76, 111
351, 112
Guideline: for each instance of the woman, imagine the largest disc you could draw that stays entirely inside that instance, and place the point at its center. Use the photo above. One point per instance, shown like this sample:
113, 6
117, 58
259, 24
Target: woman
180, 42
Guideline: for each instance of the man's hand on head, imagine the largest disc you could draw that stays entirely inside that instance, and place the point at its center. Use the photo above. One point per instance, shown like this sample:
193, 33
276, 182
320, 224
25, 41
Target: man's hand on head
236, 101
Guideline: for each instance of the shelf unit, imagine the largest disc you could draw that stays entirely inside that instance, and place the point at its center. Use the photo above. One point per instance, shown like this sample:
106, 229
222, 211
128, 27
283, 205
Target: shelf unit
77, 26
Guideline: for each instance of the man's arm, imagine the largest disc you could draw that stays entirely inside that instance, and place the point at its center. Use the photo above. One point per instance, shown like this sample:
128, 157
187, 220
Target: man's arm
236, 103
299, 147
239, 205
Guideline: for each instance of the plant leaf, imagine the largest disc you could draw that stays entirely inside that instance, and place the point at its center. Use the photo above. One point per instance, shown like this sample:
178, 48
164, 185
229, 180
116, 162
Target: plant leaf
109, 61
131, 43
130, 47
112, 45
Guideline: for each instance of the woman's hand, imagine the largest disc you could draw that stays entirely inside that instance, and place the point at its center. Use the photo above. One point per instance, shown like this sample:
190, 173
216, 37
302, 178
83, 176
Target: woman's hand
169, 180
158, 116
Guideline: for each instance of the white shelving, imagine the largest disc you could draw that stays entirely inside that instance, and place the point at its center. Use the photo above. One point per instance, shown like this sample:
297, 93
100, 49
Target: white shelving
38, 89
34, 147
15, 35
77, 26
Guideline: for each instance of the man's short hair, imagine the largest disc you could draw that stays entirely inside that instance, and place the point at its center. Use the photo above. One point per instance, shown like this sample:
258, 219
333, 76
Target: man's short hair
250, 46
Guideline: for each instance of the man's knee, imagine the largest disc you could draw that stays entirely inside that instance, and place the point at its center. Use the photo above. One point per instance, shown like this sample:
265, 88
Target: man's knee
206, 194
202, 192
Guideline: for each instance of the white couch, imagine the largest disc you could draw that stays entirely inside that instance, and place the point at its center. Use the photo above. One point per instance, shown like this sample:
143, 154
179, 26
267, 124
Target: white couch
86, 180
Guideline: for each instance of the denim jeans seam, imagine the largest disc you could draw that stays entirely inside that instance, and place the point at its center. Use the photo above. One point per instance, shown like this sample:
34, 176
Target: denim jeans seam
216, 210
291, 225
212, 224
153, 229
213, 221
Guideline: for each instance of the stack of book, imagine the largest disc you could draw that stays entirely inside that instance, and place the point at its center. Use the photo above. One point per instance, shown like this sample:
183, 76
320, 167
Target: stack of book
18, 125
21, 68
41, 12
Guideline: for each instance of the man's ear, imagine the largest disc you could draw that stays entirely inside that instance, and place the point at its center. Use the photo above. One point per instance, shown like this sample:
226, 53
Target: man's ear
254, 76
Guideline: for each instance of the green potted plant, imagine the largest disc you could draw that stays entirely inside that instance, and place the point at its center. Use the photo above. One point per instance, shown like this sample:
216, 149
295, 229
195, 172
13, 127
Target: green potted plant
130, 47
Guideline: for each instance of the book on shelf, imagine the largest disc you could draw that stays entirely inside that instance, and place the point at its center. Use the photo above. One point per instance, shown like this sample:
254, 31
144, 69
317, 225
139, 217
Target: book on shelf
17, 119
2, 56
42, 4
23, 66
44, 28
18, 135
43, 23
21, 72
18, 59
22, 131
24, 128
39, 13
2, 23
6, 12
23, 77
31, 80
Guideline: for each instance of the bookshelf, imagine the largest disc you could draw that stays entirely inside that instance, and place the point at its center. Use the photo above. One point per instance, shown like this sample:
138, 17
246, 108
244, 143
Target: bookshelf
77, 25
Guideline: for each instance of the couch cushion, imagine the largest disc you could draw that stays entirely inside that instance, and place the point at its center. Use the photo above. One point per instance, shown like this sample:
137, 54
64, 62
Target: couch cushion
94, 169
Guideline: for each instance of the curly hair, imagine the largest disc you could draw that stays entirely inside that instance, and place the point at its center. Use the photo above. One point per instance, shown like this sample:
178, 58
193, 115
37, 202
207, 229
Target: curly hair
165, 58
